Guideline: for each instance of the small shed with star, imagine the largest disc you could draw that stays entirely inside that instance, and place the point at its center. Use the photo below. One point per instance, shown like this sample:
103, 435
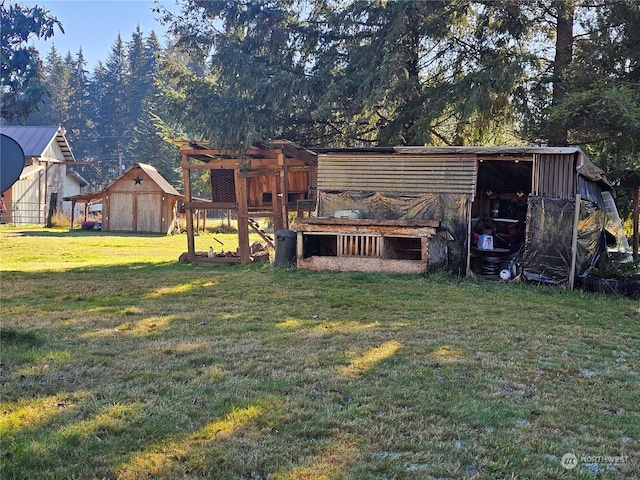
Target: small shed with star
140, 200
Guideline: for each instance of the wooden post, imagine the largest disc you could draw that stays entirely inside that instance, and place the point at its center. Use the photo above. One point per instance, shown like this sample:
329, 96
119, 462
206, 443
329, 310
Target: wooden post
574, 242
284, 189
276, 198
186, 179
636, 219
243, 217
313, 183
73, 210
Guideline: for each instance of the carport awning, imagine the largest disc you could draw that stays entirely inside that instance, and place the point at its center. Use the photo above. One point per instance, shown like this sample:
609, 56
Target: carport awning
84, 197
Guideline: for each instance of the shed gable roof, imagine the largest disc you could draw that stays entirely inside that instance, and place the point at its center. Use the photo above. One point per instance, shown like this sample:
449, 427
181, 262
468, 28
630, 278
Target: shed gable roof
154, 175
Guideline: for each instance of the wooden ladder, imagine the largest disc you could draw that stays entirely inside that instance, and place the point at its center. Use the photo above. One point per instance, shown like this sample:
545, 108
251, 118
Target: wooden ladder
260, 231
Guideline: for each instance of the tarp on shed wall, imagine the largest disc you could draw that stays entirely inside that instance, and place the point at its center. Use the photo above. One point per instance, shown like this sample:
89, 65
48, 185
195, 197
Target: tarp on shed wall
547, 254
453, 211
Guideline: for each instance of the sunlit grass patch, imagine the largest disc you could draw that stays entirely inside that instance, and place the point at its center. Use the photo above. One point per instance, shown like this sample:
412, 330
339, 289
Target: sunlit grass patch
180, 289
368, 359
154, 369
447, 354
165, 459
29, 413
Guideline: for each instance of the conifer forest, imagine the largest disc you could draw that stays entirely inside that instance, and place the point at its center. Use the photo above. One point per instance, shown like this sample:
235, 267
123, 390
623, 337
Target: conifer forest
328, 73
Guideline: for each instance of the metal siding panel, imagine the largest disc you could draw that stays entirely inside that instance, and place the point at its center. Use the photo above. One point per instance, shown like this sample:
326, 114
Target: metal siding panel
553, 176
406, 174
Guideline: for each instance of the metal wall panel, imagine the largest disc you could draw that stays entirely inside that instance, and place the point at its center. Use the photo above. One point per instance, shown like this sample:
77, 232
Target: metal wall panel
397, 173
554, 176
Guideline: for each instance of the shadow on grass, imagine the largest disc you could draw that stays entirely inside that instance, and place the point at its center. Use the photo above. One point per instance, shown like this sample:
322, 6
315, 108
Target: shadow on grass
11, 336
85, 233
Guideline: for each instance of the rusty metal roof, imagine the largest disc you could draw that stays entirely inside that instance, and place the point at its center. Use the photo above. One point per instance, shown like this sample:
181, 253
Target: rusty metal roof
35, 140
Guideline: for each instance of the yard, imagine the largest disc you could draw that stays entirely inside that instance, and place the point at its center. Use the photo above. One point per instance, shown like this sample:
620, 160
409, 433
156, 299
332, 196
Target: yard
118, 362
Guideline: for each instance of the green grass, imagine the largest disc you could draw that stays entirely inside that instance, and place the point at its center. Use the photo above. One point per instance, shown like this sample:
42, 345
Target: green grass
118, 362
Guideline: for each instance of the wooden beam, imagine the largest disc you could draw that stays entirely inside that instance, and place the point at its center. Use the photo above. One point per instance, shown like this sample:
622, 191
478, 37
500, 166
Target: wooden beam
507, 158
574, 242
186, 179
276, 197
212, 165
263, 172
284, 189
73, 211
80, 162
199, 205
243, 218
636, 220
231, 153
258, 165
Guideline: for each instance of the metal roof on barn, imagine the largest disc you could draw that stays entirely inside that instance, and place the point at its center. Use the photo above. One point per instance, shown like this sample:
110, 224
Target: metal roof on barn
35, 140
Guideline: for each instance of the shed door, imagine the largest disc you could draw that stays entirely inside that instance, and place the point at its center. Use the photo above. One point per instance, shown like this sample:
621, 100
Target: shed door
149, 214
121, 212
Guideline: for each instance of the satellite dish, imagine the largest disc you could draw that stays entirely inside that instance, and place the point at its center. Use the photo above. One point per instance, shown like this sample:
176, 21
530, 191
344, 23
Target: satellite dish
11, 162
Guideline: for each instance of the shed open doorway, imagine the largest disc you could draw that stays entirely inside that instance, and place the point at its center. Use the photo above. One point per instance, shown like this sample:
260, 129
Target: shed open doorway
498, 214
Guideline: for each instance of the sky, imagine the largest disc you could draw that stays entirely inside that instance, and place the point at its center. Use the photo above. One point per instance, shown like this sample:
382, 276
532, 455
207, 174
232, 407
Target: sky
94, 25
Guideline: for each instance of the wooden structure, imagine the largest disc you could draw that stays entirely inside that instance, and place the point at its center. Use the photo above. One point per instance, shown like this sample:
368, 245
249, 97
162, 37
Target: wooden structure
140, 200
269, 180
631, 179
46, 178
361, 245
527, 199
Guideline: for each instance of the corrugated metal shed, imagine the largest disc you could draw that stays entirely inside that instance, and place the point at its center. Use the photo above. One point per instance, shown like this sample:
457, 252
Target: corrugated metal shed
554, 176
580, 162
397, 173
35, 141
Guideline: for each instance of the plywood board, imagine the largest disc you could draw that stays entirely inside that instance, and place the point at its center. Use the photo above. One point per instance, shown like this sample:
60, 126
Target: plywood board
121, 214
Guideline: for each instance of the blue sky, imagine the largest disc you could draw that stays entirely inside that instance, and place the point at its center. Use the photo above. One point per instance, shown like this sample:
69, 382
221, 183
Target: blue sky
94, 25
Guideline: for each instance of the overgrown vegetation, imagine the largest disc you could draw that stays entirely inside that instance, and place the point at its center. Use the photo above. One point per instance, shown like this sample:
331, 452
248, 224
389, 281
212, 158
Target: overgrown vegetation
629, 270
118, 362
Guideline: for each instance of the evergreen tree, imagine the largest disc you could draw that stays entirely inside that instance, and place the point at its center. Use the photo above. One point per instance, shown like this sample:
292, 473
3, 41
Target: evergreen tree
142, 72
113, 113
81, 125
254, 85
21, 67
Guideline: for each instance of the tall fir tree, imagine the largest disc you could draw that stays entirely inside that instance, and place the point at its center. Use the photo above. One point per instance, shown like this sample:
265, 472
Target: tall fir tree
113, 113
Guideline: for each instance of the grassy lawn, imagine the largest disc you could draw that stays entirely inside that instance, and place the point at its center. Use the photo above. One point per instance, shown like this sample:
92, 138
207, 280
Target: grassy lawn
118, 362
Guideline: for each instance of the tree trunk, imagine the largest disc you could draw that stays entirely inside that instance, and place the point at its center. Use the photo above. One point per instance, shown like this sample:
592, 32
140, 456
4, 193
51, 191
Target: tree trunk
564, 52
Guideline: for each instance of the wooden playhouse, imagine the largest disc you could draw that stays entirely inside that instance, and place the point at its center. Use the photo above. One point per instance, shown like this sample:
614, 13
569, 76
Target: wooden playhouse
269, 180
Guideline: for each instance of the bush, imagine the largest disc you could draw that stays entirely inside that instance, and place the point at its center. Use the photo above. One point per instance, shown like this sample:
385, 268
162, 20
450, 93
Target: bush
60, 220
222, 228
